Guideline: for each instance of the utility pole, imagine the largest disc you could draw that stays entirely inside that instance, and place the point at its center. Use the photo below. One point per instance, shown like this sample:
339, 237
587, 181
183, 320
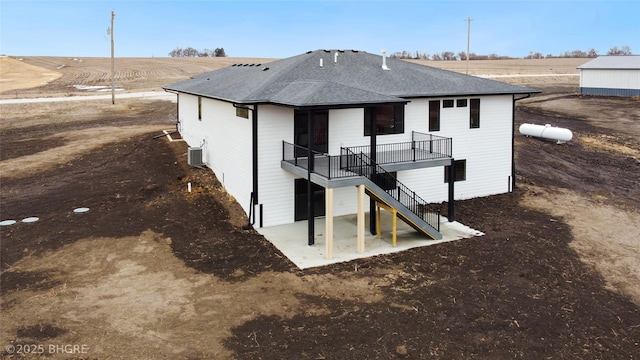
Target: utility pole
468, 20
113, 90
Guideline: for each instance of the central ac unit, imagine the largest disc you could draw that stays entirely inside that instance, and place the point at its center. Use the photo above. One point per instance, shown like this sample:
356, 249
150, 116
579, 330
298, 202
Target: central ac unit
194, 157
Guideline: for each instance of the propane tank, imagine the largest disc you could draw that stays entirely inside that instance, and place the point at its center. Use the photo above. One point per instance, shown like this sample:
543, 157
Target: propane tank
560, 135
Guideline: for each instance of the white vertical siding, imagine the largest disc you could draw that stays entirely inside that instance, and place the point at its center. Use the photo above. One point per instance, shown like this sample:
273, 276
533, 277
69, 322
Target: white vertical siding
346, 128
275, 185
610, 78
487, 149
190, 128
227, 143
225, 140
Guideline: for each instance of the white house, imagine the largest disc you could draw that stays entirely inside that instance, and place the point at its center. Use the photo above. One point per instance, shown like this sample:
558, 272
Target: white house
611, 76
393, 130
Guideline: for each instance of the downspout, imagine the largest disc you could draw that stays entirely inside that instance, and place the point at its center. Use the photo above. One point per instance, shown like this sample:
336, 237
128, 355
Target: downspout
254, 152
310, 197
452, 180
254, 132
513, 140
177, 107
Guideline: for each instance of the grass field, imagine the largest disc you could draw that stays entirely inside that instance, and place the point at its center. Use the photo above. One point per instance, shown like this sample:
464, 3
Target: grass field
56, 76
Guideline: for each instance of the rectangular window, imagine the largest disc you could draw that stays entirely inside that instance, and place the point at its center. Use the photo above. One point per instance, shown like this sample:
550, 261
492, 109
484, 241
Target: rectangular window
447, 103
301, 208
199, 108
474, 114
461, 103
389, 119
460, 168
242, 112
434, 115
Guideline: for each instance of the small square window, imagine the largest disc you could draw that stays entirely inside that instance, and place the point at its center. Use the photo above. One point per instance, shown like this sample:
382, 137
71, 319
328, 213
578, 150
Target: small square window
447, 103
242, 112
460, 171
461, 103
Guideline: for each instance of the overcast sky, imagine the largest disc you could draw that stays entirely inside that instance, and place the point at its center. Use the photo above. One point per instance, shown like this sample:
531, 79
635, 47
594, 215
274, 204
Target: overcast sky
278, 29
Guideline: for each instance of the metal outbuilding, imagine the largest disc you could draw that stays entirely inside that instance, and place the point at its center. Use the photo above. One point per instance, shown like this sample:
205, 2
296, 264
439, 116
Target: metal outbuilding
611, 76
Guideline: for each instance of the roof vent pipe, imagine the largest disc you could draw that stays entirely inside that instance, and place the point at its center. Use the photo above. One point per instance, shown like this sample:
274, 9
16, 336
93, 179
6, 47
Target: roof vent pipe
384, 60
320, 62
335, 57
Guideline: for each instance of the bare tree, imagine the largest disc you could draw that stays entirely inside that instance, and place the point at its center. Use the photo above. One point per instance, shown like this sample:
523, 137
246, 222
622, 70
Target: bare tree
191, 52
534, 55
624, 50
402, 55
448, 55
574, 54
177, 52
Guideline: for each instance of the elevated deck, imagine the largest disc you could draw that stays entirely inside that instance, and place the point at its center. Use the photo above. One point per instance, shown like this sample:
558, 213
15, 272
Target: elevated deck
356, 169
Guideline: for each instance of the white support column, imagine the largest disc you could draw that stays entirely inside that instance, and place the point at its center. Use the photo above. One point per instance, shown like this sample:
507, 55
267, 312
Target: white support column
361, 225
328, 223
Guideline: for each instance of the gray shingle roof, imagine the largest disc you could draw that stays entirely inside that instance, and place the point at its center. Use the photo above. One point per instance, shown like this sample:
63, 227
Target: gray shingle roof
624, 62
355, 78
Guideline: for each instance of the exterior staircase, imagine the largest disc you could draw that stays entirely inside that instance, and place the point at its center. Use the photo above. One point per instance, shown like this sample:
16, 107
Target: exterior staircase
383, 187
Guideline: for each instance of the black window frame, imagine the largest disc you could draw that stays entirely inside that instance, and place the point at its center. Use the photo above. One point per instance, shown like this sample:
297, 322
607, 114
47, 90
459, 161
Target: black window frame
447, 103
461, 171
385, 128
474, 113
461, 103
434, 115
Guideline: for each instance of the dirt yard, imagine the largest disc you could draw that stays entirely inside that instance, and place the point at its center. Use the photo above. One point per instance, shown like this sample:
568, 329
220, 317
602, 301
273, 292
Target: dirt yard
152, 271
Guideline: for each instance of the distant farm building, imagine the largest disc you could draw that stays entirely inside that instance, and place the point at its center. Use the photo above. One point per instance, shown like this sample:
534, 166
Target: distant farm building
611, 76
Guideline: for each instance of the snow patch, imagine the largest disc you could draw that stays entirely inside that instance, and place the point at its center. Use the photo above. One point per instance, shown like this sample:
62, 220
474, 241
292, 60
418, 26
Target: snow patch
95, 88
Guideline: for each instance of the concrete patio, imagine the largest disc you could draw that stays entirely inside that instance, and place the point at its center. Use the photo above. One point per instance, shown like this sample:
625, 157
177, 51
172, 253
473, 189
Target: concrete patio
291, 239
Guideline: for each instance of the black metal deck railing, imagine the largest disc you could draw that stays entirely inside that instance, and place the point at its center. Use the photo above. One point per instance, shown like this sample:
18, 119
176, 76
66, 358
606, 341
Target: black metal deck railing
421, 147
329, 166
350, 164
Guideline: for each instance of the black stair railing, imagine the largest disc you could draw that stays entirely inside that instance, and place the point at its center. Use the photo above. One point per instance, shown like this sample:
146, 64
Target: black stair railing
365, 166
